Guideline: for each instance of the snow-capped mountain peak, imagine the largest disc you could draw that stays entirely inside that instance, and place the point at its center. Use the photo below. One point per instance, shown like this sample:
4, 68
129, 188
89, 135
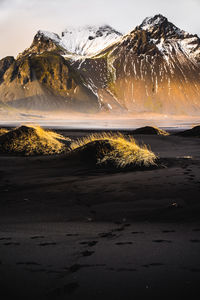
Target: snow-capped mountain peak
160, 26
168, 38
151, 22
82, 41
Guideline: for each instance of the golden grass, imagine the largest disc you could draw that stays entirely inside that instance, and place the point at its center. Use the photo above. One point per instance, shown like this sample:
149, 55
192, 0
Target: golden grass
161, 131
3, 131
123, 151
32, 140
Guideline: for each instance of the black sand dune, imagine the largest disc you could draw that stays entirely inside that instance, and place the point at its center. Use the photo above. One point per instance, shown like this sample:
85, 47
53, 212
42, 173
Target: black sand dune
90, 153
112, 150
194, 132
150, 130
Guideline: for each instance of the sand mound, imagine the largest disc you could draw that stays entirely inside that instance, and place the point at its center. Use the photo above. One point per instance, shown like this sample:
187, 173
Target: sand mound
3, 131
194, 132
115, 149
32, 140
150, 130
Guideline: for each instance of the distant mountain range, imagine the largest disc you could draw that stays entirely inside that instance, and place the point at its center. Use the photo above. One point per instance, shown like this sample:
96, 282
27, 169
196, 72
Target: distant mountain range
154, 68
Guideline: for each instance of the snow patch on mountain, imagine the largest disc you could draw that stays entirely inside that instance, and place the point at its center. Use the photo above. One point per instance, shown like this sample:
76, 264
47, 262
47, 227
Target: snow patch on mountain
84, 41
88, 40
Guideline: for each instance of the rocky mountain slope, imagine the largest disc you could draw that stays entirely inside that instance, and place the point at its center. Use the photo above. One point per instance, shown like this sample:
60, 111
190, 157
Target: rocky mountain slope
42, 79
154, 68
43, 82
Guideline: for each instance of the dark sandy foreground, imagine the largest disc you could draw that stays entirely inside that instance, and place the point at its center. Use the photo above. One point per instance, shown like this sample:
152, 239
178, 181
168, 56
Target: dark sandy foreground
99, 261
71, 231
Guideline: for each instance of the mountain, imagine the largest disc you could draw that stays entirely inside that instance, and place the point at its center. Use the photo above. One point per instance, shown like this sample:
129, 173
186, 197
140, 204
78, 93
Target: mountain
154, 68
42, 79
80, 41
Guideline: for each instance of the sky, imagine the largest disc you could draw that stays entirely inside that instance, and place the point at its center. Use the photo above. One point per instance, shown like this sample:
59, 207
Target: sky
21, 19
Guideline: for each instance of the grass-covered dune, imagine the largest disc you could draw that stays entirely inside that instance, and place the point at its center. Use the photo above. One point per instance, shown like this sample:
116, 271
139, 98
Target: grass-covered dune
193, 132
112, 148
32, 140
150, 130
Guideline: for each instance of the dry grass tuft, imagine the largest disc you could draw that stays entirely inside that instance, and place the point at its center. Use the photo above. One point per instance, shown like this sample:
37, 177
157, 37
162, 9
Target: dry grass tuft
150, 130
32, 140
117, 149
3, 131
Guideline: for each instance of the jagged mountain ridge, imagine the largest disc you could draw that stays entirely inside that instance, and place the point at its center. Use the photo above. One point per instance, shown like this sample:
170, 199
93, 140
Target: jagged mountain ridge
154, 68
80, 41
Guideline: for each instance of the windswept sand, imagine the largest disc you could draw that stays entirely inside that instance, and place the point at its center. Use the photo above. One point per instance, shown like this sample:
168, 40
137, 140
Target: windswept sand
72, 231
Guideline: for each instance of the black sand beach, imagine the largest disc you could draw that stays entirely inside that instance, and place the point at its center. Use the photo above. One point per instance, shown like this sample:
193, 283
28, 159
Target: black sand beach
69, 230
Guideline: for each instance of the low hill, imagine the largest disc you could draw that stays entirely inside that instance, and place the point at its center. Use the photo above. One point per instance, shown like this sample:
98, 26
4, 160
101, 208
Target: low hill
150, 130
32, 140
114, 149
194, 132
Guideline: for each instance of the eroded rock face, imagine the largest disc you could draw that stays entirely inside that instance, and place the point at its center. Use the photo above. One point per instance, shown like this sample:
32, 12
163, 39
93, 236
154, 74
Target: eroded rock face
5, 63
42, 43
45, 81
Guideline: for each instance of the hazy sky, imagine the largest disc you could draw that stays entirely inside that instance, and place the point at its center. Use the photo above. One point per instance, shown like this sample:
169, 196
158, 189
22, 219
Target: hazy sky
20, 19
